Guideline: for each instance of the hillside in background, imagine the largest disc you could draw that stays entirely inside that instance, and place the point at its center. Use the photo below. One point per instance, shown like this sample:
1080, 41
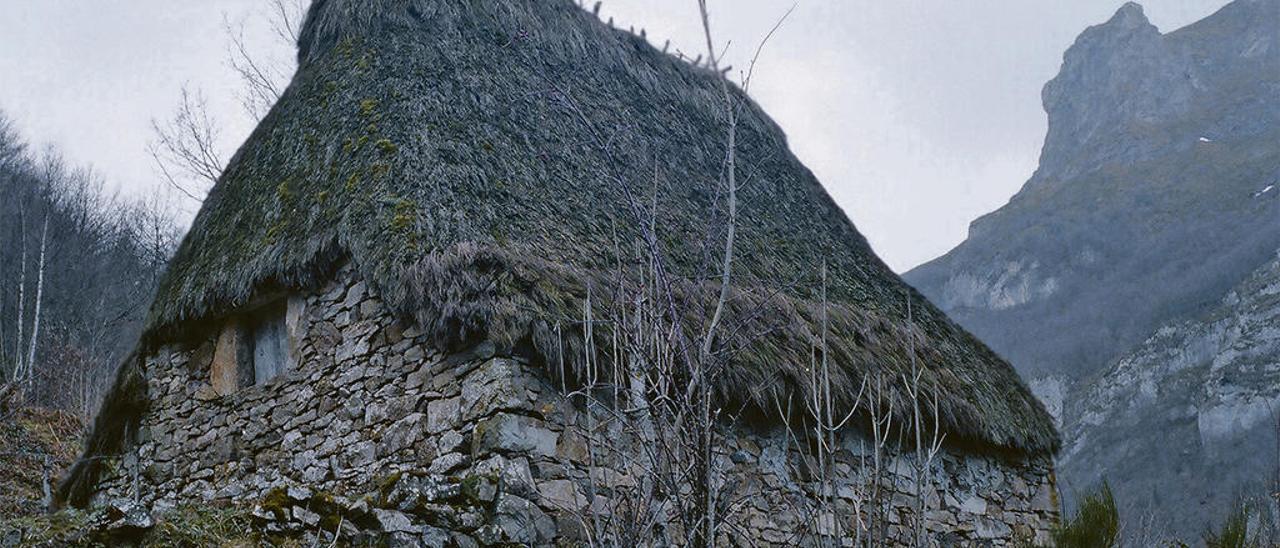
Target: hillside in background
77, 266
1158, 191
1188, 421
1150, 200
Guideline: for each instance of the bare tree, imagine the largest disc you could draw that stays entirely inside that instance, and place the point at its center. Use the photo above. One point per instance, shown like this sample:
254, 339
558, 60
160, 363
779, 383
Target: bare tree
186, 147
19, 369
35, 322
925, 451
263, 75
72, 287
660, 392
11, 146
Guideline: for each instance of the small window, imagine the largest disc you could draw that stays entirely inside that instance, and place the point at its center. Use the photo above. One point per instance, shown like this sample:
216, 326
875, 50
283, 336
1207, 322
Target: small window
270, 342
256, 347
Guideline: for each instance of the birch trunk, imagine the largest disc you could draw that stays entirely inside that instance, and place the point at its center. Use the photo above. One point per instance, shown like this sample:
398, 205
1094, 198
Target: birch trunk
35, 320
18, 373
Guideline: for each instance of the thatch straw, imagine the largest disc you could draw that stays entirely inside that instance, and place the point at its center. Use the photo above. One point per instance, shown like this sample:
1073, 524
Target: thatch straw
470, 157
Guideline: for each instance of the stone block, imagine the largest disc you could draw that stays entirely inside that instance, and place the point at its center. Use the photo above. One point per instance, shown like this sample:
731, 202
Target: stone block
973, 504
1045, 500
325, 336
449, 441
497, 385
392, 521
433, 536
370, 308
201, 359
403, 434
210, 393
355, 294
350, 348
514, 474
561, 495
509, 433
520, 521
417, 378
442, 415
572, 446
446, 463
986, 528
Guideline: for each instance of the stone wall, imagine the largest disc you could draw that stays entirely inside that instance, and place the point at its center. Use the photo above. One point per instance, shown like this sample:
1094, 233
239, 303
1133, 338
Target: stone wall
375, 426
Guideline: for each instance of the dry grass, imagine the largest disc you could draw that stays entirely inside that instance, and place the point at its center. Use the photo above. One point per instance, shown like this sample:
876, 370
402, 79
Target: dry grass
27, 435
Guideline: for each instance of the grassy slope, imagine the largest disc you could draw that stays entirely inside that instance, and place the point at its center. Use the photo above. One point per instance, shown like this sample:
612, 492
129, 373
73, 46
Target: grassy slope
26, 435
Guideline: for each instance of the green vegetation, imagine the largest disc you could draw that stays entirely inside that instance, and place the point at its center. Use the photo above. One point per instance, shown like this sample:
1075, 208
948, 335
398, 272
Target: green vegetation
204, 526
188, 525
352, 146
1234, 532
65, 528
386, 484
405, 215
1095, 525
276, 501
283, 191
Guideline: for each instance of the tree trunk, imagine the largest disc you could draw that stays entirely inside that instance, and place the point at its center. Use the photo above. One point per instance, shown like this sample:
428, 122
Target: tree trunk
18, 373
35, 321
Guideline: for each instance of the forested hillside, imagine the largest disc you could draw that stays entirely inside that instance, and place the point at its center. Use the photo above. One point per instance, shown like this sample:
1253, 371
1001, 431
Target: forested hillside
78, 264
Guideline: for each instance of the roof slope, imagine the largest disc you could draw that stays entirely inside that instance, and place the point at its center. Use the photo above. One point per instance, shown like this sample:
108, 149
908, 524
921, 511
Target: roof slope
473, 159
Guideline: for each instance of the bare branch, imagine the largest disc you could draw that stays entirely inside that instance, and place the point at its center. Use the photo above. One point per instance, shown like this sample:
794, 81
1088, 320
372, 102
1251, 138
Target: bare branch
185, 147
261, 81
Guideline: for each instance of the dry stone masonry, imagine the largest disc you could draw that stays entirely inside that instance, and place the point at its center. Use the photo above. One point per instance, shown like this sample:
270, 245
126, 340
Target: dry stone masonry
373, 432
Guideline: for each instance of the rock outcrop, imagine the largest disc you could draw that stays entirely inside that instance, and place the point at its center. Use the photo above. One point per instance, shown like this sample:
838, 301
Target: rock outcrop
1189, 420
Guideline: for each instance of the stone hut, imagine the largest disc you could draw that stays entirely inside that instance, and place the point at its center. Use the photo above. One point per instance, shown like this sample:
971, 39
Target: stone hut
429, 243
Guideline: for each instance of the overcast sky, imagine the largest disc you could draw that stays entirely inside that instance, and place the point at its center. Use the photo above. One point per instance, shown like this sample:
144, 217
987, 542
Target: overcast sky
917, 115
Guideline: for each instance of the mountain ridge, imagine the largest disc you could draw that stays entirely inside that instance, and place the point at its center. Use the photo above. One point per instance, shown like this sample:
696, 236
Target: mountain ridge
1160, 169
1108, 278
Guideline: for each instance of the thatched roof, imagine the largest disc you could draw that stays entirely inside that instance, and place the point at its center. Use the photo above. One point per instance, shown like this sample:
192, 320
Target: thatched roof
472, 159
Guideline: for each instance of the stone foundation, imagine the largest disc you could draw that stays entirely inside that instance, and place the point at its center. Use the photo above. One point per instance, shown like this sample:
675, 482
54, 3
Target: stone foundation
488, 451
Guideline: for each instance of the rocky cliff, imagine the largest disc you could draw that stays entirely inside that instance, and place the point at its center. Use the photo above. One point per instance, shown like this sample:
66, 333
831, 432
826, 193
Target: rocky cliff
1187, 422
1156, 200
1153, 196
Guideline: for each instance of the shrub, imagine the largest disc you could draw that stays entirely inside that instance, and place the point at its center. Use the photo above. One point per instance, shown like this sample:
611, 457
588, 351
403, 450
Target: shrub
1095, 525
1234, 532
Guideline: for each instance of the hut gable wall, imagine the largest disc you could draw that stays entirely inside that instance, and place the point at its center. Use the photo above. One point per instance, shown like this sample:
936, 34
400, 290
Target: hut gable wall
475, 446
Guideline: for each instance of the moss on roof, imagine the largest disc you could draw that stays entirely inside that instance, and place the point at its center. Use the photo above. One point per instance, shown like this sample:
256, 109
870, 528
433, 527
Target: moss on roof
470, 158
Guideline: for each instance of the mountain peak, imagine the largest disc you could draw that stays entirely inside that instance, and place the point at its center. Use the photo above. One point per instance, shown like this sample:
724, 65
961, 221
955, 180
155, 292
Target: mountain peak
1129, 16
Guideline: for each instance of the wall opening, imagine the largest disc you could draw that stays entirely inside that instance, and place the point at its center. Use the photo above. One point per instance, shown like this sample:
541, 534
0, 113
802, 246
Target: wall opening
256, 346
270, 342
